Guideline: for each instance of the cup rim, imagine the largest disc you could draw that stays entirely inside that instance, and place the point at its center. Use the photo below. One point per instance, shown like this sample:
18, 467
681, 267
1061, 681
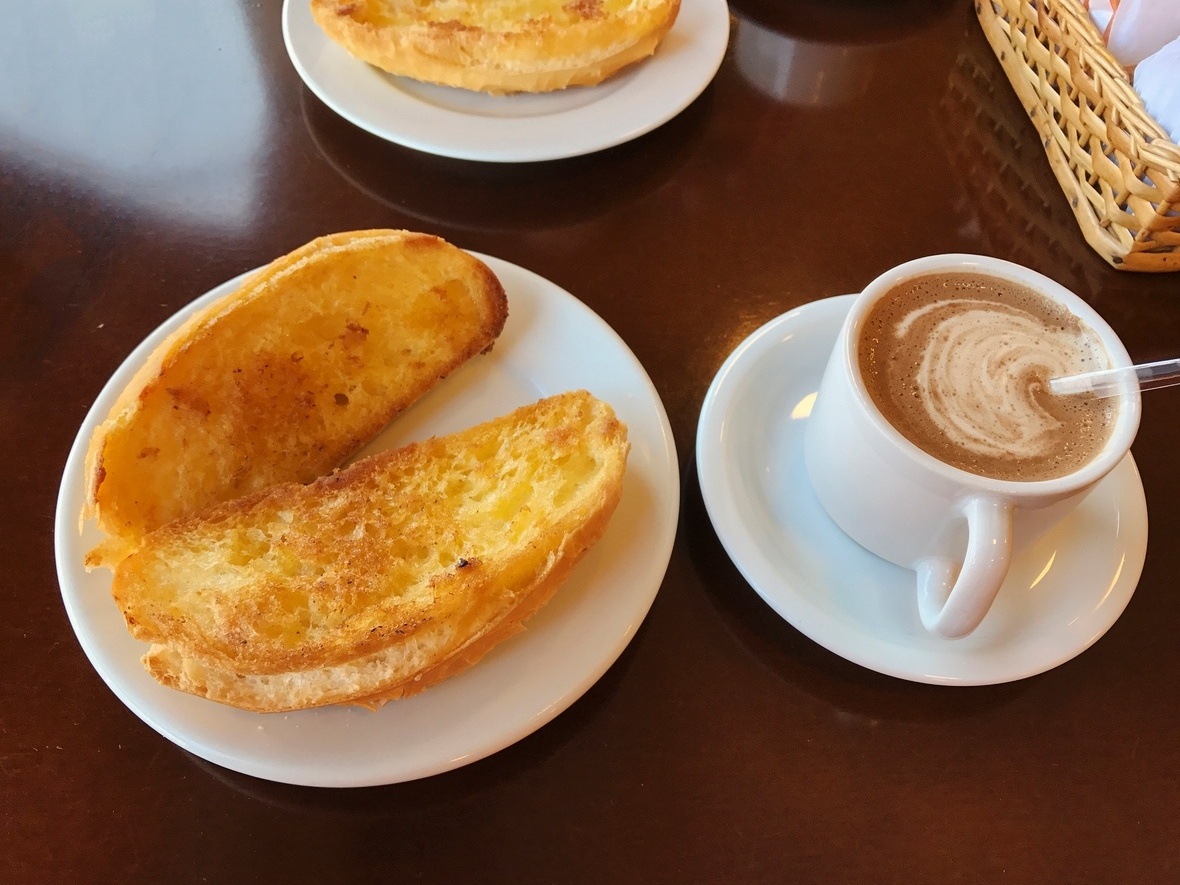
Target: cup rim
1121, 436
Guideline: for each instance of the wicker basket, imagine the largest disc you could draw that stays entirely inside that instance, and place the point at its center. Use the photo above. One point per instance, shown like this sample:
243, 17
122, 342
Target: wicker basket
1116, 165
1009, 197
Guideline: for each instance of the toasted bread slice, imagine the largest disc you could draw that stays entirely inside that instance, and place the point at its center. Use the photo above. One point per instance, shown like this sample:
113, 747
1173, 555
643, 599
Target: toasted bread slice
499, 45
378, 580
286, 377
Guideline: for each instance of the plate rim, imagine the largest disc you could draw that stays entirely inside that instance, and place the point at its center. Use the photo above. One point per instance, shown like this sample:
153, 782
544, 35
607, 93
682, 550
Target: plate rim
660, 470
662, 82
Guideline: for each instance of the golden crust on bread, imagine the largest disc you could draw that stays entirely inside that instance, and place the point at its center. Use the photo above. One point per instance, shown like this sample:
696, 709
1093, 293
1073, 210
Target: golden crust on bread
499, 45
383, 578
286, 377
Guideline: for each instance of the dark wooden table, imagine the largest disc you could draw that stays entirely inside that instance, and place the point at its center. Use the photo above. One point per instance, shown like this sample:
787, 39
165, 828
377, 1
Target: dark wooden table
148, 152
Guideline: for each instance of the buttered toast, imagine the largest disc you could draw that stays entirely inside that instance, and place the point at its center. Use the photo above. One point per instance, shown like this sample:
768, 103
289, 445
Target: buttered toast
286, 377
380, 579
499, 46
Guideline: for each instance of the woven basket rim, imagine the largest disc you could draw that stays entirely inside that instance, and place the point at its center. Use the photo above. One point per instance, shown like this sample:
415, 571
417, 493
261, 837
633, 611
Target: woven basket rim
1116, 164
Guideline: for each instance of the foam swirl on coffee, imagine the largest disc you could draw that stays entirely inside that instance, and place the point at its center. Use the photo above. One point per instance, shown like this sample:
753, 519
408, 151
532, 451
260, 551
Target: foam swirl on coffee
983, 371
960, 363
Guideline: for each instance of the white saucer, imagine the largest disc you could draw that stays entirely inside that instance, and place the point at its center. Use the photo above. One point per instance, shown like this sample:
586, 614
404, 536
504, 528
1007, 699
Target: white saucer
513, 128
551, 343
1063, 593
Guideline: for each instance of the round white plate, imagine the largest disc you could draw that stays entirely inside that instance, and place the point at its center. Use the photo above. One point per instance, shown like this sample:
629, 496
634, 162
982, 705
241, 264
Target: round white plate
1062, 594
513, 128
551, 343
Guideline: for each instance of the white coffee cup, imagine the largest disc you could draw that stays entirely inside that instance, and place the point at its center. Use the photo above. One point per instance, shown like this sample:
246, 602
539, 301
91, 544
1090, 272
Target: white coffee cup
958, 531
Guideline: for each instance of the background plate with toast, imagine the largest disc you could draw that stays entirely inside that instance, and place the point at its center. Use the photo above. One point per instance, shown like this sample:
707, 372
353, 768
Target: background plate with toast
513, 128
551, 343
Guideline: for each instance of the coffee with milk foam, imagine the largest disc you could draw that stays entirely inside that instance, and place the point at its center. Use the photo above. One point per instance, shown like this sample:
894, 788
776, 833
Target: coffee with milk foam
959, 364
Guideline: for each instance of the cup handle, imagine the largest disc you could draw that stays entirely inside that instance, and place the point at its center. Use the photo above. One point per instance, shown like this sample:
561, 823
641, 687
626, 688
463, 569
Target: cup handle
953, 598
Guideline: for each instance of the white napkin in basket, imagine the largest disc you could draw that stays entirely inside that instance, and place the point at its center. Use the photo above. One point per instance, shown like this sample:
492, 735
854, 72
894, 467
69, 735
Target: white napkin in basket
1157, 80
1137, 28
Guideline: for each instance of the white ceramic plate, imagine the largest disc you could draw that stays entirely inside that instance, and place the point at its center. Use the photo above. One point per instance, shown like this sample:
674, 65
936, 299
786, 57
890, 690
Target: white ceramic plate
513, 128
551, 343
1062, 594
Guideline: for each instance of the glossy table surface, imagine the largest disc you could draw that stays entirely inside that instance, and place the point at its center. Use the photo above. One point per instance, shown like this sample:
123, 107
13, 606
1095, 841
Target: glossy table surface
149, 152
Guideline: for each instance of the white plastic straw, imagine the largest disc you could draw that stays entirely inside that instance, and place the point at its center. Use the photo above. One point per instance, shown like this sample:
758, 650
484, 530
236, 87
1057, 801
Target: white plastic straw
1108, 382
